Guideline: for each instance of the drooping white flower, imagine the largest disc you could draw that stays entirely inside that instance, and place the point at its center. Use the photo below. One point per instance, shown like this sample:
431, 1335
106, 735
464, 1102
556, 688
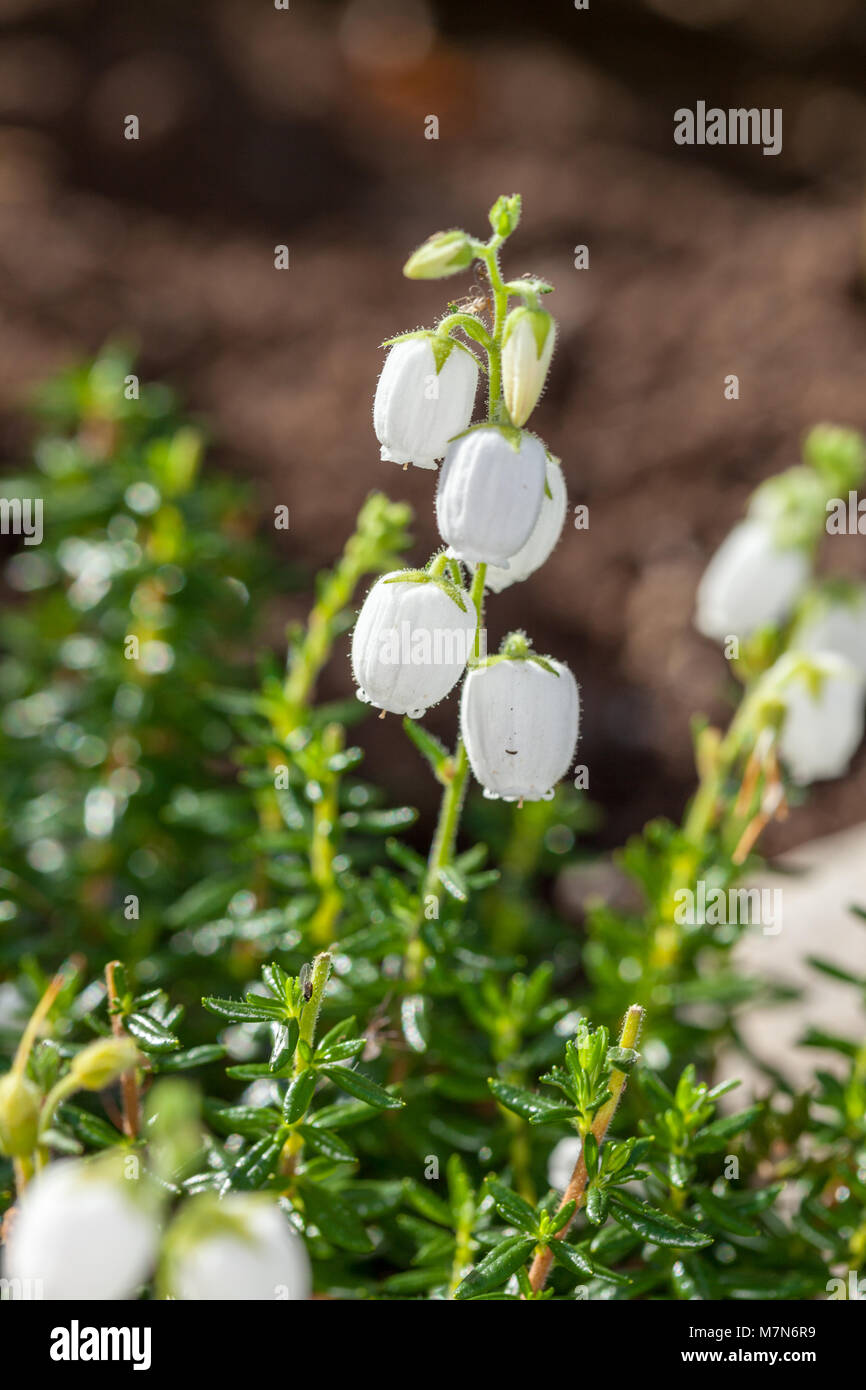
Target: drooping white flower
519, 720
422, 401
490, 494
751, 582
563, 1157
546, 532
411, 642
528, 340
822, 700
83, 1233
239, 1248
834, 622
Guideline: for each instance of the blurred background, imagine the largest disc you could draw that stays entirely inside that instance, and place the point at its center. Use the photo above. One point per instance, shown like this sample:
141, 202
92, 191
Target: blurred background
306, 127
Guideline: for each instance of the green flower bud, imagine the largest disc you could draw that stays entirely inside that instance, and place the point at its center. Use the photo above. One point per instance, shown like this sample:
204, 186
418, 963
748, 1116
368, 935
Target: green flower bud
505, 214
20, 1099
444, 253
102, 1062
838, 455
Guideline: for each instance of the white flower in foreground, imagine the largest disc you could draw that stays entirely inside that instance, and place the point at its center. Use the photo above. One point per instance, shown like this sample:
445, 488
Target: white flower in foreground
560, 1165
411, 642
527, 347
545, 534
490, 494
239, 1248
84, 1233
823, 722
519, 719
419, 408
750, 582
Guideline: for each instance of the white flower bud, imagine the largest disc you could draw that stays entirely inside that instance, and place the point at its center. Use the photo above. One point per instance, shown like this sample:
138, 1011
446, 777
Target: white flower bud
823, 722
422, 401
82, 1233
546, 532
519, 720
750, 582
561, 1163
490, 494
527, 347
239, 1248
411, 642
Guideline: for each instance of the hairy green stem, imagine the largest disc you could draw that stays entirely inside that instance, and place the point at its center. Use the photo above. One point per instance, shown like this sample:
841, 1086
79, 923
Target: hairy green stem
490, 256
310, 1013
576, 1190
451, 806
326, 813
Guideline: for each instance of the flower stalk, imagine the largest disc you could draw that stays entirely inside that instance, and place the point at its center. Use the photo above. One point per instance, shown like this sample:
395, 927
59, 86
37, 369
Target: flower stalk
576, 1190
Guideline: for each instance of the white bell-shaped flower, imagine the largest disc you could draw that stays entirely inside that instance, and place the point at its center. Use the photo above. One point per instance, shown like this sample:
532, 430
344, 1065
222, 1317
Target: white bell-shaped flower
519, 720
422, 401
834, 622
751, 582
823, 716
490, 494
411, 642
561, 1164
545, 534
82, 1234
527, 346
242, 1248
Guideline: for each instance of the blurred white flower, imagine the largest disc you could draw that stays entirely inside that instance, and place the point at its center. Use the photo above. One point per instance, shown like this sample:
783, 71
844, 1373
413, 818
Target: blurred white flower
823, 724
82, 1233
835, 624
241, 1248
560, 1165
749, 583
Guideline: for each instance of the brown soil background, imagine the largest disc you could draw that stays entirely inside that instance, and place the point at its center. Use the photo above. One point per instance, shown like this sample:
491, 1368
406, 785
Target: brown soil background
306, 127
